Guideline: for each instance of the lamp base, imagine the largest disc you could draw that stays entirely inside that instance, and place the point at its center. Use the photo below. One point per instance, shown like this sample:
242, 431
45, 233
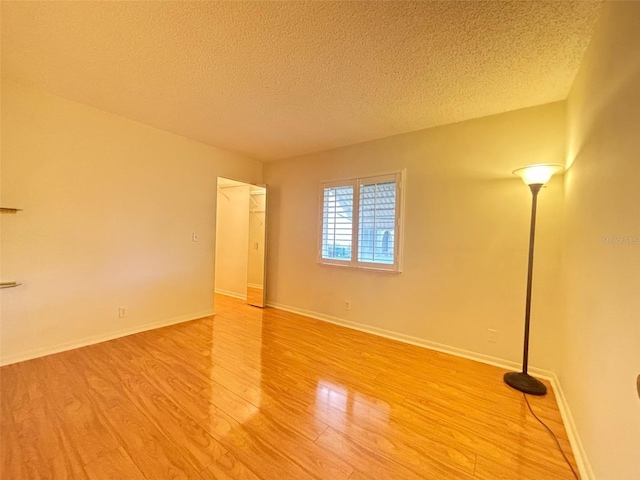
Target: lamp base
525, 383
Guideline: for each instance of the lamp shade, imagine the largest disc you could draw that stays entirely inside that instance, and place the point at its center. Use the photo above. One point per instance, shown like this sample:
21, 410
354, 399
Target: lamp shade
538, 174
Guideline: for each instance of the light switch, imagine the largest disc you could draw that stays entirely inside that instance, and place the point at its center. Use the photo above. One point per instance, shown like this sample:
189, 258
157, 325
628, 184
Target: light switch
194, 237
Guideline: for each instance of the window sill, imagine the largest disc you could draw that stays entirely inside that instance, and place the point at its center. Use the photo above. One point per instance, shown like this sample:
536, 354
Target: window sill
359, 267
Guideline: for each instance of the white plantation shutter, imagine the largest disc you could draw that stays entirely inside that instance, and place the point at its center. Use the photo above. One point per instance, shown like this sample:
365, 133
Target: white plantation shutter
360, 222
337, 223
377, 221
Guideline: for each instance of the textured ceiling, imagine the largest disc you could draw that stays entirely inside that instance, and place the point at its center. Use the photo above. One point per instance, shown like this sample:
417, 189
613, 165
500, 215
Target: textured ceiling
280, 79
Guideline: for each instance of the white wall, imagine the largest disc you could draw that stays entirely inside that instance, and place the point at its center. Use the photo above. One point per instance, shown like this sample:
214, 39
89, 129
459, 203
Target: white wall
601, 354
466, 237
109, 209
232, 240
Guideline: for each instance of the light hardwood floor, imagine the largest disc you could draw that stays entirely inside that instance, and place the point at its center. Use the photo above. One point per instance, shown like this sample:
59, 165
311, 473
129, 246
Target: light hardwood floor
264, 394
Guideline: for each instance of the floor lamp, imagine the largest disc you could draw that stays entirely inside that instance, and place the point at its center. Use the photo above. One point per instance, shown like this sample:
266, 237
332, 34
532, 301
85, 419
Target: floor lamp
535, 176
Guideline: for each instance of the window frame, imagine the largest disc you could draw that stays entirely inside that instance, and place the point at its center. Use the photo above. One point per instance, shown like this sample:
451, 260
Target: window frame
356, 183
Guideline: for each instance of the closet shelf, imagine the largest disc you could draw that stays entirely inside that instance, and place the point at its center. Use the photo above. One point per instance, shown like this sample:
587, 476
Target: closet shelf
9, 284
9, 210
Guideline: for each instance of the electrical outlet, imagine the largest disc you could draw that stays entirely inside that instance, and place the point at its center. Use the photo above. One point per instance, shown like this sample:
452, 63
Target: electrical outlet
492, 335
347, 305
122, 312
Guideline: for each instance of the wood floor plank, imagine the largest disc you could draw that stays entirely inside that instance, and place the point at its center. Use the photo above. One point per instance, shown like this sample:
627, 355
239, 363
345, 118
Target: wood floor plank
414, 452
187, 436
278, 409
39, 448
483, 432
14, 393
372, 464
262, 394
14, 455
176, 381
152, 450
259, 456
228, 467
314, 458
524, 469
85, 426
34, 379
148, 447
115, 465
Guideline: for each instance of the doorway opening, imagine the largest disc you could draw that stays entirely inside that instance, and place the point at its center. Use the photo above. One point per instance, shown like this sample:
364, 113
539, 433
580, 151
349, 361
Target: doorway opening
240, 256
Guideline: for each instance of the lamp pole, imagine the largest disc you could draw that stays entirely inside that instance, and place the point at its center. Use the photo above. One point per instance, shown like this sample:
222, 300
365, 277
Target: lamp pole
535, 189
522, 381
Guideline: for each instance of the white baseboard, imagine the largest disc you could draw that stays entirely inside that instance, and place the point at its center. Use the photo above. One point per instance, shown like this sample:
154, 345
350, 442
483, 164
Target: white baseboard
586, 472
576, 445
230, 294
420, 342
83, 342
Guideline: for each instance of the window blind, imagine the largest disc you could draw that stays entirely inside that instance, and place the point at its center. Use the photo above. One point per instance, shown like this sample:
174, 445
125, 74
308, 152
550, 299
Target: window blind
360, 223
377, 222
337, 222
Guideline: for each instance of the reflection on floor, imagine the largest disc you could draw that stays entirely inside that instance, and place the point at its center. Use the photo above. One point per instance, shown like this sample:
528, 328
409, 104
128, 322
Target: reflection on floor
264, 394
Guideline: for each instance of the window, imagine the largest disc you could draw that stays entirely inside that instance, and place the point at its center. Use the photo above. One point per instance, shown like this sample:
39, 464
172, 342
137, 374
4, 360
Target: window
361, 223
